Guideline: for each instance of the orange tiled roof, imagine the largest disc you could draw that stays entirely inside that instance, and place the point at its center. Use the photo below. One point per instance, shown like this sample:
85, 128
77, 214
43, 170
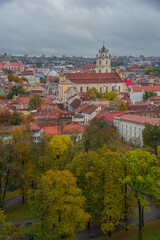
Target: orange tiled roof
139, 119
94, 77
146, 88
73, 128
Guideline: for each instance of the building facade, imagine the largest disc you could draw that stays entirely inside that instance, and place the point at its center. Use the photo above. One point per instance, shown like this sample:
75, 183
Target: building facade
130, 126
103, 62
82, 82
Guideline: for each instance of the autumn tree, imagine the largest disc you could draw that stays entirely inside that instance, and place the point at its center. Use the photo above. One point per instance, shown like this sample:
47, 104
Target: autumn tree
110, 95
23, 140
6, 117
57, 205
34, 102
87, 168
61, 148
17, 118
142, 178
7, 230
151, 136
113, 171
92, 93
120, 105
8, 169
98, 133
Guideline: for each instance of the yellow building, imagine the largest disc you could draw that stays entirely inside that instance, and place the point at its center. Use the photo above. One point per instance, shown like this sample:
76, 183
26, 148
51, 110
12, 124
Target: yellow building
81, 82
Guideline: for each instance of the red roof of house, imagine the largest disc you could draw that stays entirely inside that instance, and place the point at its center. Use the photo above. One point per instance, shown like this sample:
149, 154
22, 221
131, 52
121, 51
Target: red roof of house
94, 78
68, 129
153, 88
88, 109
138, 119
22, 100
76, 103
73, 128
109, 116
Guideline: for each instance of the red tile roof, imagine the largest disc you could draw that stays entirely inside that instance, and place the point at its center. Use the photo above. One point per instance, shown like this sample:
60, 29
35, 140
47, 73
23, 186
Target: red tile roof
138, 119
109, 116
73, 128
68, 129
76, 103
153, 88
93, 78
88, 109
22, 100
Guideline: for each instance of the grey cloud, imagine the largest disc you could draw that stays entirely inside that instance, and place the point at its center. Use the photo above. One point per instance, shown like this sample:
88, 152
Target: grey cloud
78, 27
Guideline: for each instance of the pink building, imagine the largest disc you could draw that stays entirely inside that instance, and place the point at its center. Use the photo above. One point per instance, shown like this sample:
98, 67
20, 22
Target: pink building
15, 66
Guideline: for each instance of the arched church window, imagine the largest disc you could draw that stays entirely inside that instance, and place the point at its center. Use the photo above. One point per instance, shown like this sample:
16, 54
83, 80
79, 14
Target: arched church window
81, 89
106, 62
99, 70
87, 89
119, 89
99, 62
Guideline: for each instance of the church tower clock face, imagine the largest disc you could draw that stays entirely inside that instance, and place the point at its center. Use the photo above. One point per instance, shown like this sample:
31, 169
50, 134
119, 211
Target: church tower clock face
103, 62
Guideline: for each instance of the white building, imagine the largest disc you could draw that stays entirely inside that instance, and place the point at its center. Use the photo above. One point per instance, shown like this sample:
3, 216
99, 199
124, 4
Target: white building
136, 93
130, 126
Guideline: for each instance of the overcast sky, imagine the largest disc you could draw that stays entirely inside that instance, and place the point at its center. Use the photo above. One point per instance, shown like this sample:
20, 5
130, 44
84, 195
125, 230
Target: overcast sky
78, 27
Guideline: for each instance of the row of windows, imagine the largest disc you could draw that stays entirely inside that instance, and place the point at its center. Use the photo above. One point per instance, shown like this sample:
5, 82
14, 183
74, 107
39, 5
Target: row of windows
102, 89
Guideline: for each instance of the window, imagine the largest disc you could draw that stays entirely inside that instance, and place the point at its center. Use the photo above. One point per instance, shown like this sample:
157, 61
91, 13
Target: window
99, 62
87, 89
100, 89
106, 62
106, 71
99, 70
81, 89
119, 89
112, 88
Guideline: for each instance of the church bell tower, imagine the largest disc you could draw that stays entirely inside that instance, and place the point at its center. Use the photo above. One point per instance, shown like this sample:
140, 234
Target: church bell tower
103, 62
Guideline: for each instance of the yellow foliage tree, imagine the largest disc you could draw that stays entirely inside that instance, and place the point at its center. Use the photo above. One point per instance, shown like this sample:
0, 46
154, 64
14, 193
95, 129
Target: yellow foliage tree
61, 147
23, 139
57, 206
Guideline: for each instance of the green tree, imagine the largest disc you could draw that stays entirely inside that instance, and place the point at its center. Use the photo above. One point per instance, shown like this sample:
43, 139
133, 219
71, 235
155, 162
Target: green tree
87, 168
151, 136
142, 178
98, 133
147, 95
110, 95
15, 90
17, 118
8, 169
112, 213
57, 206
92, 93
34, 102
